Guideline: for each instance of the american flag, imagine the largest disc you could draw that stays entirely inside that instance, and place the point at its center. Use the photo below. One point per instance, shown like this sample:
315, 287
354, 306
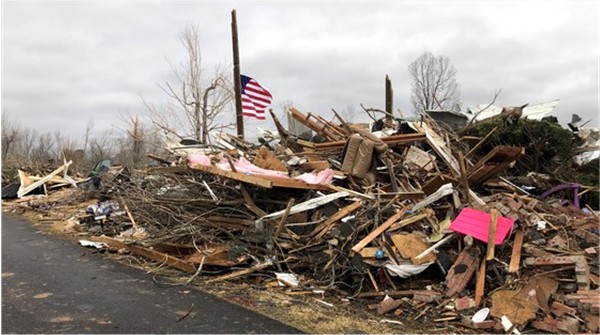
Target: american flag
255, 98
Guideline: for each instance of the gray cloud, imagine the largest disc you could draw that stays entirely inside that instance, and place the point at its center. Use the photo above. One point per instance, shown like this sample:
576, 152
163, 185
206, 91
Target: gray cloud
64, 63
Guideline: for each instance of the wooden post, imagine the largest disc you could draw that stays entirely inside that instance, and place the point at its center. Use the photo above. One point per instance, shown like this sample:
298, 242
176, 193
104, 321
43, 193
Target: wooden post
492, 235
237, 77
389, 99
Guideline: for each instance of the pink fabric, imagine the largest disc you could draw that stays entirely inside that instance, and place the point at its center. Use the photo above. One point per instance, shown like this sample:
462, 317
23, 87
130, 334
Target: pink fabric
477, 224
242, 165
199, 159
321, 177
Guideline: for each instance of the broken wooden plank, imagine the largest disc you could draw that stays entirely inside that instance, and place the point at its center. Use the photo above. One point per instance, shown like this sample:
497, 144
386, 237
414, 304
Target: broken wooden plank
492, 234
240, 273
234, 175
26, 189
250, 203
515, 258
435, 246
148, 253
284, 218
399, 214
324, 227
496, 161
480, 285
339, 145
321, 128
481, 142
407, 221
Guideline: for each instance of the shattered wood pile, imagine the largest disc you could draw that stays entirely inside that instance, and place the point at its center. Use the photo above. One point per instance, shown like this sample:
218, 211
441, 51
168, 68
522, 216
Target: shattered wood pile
414, 223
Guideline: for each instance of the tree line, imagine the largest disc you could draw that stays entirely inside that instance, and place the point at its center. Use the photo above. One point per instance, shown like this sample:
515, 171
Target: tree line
197, 104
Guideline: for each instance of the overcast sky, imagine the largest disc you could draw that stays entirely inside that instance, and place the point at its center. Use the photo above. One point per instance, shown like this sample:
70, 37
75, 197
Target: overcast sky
65, 63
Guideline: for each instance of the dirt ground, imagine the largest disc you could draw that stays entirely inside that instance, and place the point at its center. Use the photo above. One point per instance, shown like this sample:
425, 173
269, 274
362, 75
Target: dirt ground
311, 312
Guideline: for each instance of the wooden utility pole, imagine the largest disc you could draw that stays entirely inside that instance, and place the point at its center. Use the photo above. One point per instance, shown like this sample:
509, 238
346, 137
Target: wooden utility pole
237, 77
389, 98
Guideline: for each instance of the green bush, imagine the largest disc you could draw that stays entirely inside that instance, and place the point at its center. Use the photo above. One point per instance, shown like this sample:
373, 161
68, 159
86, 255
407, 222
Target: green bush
547, 145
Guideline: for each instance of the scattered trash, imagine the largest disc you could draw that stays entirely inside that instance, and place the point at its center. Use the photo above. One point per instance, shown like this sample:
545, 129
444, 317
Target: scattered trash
97, 245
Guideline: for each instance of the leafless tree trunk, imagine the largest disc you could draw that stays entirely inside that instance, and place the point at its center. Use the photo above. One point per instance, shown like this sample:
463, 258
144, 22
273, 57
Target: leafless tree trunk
10, 135
197, 101
434, 85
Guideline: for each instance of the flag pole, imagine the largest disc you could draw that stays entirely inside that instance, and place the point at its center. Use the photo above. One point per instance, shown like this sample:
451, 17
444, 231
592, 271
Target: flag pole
236, 77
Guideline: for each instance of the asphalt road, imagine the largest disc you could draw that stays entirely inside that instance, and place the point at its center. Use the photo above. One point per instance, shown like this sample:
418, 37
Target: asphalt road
53, 286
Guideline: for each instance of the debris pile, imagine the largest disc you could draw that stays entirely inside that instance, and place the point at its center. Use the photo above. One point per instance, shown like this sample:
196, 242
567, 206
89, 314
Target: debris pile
404, 216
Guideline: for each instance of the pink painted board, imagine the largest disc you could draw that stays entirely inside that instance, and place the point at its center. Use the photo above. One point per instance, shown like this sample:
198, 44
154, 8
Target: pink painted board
477, 224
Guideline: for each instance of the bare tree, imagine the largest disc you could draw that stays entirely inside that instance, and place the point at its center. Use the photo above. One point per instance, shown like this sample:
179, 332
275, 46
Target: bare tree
11, 133
196, 102
434, 85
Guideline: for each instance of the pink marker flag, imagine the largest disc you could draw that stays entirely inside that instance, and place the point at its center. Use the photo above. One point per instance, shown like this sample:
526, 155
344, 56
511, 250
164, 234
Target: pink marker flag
477, 224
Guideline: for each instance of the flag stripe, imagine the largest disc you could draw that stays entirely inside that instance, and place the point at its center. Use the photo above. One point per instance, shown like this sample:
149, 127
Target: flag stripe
255, 98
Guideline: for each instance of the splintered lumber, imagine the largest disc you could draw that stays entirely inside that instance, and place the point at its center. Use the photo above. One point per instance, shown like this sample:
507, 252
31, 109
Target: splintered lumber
323, 228
496, 161
241, 273
480, 285
439, 146
135, 225
284, 218
261, 180
389, 140
324, 129
399, 214
515, 258
492, 234
149, 253
234, 175
250, 203
435, 246
481, 143
24, 190
407, 221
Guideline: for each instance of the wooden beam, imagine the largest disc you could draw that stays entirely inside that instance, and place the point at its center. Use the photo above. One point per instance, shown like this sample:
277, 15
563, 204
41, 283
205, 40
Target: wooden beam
323, 228
408, 221
399, 214
480, 285
515, 258
284, 218
480, 143
250, 203
240, 273
148, 253
492, 235
233, 175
